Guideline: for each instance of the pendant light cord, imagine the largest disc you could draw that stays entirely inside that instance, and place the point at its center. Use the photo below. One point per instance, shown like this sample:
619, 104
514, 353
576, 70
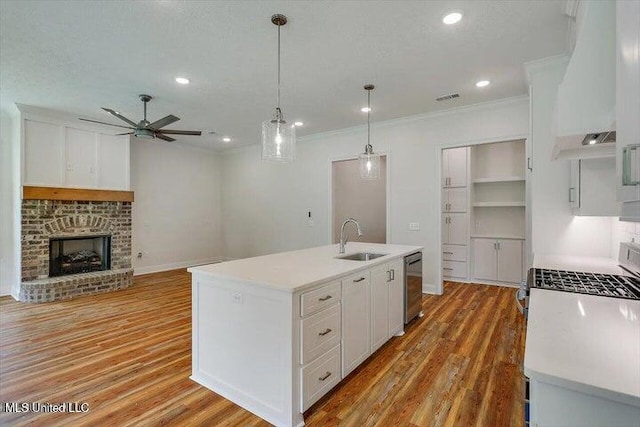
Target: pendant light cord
368, 118
278, 97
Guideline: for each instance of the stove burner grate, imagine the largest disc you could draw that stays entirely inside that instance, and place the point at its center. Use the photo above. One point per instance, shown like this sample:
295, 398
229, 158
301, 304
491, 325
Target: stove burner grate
608, 285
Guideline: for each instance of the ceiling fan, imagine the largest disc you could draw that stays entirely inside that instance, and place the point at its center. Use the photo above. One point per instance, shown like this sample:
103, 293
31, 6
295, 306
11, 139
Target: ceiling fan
145, 129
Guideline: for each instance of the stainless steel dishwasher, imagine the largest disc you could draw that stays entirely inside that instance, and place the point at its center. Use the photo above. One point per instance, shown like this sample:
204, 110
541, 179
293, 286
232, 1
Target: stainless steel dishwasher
412, 286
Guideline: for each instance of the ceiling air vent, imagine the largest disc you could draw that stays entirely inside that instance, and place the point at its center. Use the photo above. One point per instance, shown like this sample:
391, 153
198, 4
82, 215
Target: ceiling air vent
447, 97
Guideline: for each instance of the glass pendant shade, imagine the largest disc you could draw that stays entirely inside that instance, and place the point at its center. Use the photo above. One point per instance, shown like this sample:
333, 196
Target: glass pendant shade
369, 164
278, 141
278, 137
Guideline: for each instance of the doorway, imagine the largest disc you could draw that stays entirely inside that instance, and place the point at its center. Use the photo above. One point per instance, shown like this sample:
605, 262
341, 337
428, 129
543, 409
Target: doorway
362, 199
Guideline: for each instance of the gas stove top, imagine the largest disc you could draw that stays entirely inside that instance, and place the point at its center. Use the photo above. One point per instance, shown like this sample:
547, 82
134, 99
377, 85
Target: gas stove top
607, 285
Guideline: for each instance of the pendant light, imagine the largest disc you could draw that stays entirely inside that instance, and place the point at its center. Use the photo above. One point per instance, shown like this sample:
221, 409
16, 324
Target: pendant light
369, 161
278, 137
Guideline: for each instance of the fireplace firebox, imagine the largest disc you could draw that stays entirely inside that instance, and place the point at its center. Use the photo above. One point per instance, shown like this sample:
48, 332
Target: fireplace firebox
79, 254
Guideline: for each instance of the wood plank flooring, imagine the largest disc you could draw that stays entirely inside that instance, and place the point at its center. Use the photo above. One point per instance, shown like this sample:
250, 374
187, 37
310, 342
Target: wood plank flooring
127, 354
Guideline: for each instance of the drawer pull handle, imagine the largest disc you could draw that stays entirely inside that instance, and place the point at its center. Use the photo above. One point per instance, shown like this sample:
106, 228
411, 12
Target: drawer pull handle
325, 376
448, 253
447, 269
326, 331
328, 297
358, 280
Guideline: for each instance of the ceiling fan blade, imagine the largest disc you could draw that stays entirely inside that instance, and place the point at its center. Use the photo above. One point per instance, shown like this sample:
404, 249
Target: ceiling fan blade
163, 122
104, 123
166, 138
126, 133
180, 132
120, 116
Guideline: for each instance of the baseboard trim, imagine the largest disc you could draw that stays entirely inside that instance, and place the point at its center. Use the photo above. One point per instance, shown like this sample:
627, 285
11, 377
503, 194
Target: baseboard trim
137, 271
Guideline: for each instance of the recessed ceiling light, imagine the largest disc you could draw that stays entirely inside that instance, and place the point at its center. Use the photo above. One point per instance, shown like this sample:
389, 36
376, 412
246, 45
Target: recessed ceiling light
182, 80
452, 18
365, 109
298, 124
226, 139
483, 83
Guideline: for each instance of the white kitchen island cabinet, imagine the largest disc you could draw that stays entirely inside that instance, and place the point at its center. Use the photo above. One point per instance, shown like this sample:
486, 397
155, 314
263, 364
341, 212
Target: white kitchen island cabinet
275, 333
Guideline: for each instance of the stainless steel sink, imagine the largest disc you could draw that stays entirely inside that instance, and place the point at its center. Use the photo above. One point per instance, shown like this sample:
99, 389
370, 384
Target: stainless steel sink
361, 256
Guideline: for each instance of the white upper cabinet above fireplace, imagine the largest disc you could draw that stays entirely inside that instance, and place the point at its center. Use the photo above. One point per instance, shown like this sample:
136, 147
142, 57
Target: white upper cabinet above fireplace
62, 154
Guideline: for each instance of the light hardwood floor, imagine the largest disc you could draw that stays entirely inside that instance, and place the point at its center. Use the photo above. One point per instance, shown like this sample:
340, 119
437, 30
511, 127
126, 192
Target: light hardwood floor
128, 355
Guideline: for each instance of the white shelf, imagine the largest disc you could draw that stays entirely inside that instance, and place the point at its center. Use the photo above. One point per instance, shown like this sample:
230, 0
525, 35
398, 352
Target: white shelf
497, 204
498, 179
496, 236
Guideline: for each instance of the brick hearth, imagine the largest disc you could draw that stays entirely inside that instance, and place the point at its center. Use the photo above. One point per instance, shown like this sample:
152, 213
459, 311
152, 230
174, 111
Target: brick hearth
45, 219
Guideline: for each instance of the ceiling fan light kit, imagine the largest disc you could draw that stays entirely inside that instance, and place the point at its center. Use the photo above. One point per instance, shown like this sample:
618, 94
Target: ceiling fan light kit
369, 161
278, 137
144, 129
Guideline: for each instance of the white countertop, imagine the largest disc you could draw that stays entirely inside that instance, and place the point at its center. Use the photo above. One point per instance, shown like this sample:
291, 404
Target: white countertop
296, 270
579, 263
586, 343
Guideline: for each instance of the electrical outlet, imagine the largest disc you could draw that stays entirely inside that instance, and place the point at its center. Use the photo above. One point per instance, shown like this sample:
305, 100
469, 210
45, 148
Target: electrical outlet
139, 254
238, 298
414, 226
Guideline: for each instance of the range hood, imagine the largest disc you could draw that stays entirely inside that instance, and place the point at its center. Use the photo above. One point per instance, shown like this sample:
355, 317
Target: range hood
589, 146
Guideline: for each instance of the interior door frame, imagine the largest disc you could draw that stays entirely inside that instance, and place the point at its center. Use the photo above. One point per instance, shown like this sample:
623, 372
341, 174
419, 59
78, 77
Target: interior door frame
438, 152
332, 160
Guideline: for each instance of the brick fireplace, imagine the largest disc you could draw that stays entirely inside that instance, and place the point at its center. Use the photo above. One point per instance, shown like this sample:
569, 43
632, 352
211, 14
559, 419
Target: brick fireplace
46, 223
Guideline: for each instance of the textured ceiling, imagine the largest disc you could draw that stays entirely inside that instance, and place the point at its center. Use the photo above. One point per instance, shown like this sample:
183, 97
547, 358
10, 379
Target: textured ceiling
79, 56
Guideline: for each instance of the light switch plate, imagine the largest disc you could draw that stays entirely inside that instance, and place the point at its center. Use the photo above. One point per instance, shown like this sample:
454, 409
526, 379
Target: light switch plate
414, 226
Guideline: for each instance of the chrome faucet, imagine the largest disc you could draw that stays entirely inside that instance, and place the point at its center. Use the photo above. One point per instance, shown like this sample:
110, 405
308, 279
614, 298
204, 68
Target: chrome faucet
343, 238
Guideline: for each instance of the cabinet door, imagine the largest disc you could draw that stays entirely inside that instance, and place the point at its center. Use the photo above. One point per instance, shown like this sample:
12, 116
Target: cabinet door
485, 259
457, 167
396, 297
356, 321
113, 157
627, 100
458, 229
81, 158
454, 200
44, 154
510, 261
380, 281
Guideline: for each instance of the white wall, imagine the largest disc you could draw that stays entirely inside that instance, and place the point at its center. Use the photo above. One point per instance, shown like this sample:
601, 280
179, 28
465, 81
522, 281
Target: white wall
176, 212
554, 229
9, 203
363, 199
265, 205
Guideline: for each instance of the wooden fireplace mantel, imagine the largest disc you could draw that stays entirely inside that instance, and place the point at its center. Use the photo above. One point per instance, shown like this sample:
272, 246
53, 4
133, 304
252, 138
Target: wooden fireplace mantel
75, 194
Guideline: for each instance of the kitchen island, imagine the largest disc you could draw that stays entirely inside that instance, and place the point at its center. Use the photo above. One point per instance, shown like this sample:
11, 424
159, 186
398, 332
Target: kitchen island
582, 352
275, 333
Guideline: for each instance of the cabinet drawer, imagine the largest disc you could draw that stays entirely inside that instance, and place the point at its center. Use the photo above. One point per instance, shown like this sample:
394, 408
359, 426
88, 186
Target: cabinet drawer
457, 269
319, 333
320, 376
316, 300
454, 253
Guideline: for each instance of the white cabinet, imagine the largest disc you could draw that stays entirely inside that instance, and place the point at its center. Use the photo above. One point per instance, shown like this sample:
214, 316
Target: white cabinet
592, 191
386, 302
454, 167
44, 154
320, 337
113, 162
81, 149
454, 199
356, 320
59, 155
455, 229
628, 108
497, 260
